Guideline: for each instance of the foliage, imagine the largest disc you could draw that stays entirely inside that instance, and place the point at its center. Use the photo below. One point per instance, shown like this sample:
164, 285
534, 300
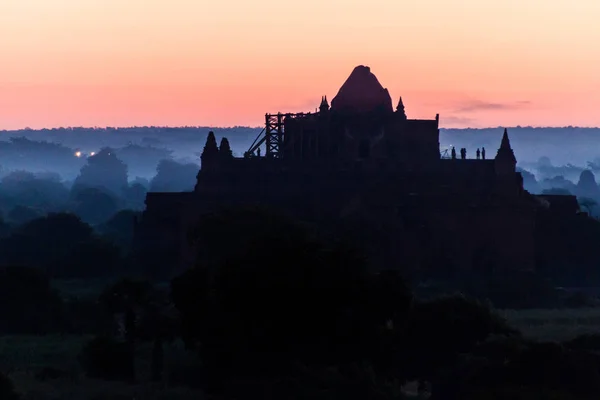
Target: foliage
106, 358
63, 246
135, 195
514, 290
289, 306
20, 215
588, 204
438, 331
554, 324
172, 176
348, 382
120, 228
536, 367
104, 170
28, 304
40, 192
145, 317
126, 294
94, 205
557, 191
586, 342
7, 389
27, 358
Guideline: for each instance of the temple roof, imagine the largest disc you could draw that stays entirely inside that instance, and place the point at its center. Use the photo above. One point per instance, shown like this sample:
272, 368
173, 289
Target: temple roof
505, 151
362, 93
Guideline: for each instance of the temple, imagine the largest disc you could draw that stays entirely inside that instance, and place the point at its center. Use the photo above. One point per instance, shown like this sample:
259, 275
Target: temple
360, 159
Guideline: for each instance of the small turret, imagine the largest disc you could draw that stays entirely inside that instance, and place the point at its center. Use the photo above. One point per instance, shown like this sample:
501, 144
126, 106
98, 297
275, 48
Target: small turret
210, 153
506, 162
324, 107
509, 181
225, 149
400, 109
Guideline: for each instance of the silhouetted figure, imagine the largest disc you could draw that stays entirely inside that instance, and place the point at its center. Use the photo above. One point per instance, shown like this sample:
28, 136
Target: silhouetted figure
478, 154
453, 152
483, 153
463, 153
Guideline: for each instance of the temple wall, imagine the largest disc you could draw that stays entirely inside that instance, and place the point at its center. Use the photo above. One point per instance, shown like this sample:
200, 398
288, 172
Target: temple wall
487, 237
453, 229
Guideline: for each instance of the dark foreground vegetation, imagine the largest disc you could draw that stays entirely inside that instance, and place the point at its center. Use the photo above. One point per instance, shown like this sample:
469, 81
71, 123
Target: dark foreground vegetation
274, 309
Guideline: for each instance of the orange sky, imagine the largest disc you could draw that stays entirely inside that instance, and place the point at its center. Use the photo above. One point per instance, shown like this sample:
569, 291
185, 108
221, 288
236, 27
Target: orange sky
227, 62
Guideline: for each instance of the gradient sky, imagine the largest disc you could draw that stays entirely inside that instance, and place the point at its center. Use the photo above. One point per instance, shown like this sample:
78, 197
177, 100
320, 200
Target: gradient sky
227, 62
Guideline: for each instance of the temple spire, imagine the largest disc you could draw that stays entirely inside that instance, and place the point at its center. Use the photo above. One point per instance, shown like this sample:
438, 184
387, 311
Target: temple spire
506, 161
324, 104
400, 108
505, 151
211, 151
225, 149
505, 144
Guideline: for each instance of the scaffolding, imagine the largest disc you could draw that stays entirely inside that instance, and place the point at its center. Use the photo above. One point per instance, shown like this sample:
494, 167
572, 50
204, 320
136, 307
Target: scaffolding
272, 135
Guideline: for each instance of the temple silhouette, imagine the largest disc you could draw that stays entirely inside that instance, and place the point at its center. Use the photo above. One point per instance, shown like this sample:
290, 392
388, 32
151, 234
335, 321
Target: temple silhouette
359, 159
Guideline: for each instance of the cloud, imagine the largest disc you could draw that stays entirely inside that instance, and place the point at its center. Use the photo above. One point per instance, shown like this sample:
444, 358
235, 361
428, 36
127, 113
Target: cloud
456, 121
480, 105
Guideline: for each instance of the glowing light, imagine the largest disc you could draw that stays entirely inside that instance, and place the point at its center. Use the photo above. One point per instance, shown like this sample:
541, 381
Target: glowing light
77, 154
92, 153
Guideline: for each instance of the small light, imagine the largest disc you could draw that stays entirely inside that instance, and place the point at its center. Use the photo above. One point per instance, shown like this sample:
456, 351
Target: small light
77, 154
92, 153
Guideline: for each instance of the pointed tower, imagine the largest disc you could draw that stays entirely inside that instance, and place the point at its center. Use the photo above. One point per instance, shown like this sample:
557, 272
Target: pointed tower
400, 109
324, 107
508, 180
225, 152
506, 162
210, 153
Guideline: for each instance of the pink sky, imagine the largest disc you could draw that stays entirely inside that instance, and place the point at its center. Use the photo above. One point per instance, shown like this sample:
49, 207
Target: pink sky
199, 62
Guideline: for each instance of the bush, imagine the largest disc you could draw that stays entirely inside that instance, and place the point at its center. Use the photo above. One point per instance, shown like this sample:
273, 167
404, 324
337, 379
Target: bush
587, 342
28, 304
108, 359
548, 370
438, 331
49, 373
515, 290
346, 382
7, 389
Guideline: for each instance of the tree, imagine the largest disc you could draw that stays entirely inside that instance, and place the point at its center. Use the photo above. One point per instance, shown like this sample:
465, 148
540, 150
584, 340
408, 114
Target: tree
269, 292
142, 307
557, 191
42, 191
172, 176
20, 215
61, 245
588, 203
135, 196
94, 205
103, 170
120, 228
438, 331
28, 304
7, 389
